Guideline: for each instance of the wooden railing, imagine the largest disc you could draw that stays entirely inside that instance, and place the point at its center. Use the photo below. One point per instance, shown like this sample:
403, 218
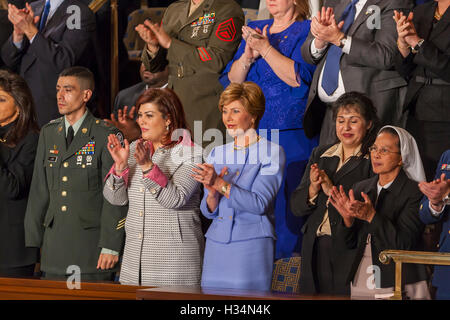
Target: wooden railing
36, 289
417, 257
95, 5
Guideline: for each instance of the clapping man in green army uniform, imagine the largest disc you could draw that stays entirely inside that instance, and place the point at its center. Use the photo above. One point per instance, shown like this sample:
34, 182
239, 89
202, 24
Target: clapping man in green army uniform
67, 216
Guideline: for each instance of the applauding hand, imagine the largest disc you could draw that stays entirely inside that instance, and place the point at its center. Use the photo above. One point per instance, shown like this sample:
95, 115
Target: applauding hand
143, 155
125, 122
349, 208
436, 191
120, 155
149, 37
325, 28
162, 37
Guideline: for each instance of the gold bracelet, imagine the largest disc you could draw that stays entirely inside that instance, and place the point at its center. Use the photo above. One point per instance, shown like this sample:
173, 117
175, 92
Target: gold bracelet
400, 47
224, 188
246, 66
267, 52
144, 172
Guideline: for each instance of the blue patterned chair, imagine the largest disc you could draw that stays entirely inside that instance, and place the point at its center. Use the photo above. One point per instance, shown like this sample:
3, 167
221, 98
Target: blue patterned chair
250, 15
286, 274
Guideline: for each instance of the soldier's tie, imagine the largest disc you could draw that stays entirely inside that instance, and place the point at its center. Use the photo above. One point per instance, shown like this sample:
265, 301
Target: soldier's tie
69, 137
330, 77
44, 15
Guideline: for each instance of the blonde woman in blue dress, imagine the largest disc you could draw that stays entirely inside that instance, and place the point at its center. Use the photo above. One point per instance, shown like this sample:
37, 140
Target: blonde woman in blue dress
241, 181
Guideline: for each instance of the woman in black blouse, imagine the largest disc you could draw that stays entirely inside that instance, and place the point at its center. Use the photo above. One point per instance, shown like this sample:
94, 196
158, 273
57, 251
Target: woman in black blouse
18, 142
382, 213
324, 263
423, 60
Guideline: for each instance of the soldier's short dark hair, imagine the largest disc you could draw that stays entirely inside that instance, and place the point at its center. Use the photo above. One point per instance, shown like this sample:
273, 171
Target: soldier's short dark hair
84, 76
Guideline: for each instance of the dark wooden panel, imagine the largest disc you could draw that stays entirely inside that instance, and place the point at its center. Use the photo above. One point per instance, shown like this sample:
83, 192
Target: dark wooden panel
197, 293
31, 289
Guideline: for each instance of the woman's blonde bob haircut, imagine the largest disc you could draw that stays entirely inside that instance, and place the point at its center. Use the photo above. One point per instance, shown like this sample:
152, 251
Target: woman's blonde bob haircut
249, 94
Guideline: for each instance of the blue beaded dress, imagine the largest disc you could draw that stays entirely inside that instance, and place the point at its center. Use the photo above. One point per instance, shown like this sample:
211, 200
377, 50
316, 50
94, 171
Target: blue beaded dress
285, 106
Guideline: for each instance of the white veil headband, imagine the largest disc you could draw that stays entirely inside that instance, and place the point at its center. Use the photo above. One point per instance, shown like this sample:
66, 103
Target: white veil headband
412, 164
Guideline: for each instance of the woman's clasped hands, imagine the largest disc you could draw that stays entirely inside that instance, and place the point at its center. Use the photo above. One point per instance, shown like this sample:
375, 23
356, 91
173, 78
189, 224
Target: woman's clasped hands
319, 180
350, 208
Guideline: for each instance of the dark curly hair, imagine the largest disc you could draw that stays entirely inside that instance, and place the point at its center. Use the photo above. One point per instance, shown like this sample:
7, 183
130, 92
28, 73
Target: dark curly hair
364, 106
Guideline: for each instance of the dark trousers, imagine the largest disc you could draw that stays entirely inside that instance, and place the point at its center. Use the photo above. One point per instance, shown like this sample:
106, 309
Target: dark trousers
433, 138
322, 266
17, 272
442, 294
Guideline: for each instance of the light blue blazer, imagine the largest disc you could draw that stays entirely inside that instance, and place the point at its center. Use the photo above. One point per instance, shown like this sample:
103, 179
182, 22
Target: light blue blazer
255, 175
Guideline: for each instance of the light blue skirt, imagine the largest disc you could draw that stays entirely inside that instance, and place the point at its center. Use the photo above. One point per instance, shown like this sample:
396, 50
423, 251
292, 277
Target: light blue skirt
245, 265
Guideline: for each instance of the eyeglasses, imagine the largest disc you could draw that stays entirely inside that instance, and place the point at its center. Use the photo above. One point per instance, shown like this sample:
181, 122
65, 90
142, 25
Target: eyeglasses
382, 151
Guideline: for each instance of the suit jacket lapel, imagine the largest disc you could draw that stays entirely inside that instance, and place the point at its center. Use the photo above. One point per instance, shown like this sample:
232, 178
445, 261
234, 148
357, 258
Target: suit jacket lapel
56, 19
441, 26
237, 165
30, 59
81, 138
426, 23
363, 16
38, 8
339, 9
370, 189
346, 168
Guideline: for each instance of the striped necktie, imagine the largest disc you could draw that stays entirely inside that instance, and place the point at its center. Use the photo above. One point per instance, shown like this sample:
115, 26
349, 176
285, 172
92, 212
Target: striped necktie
330, 77
44, 16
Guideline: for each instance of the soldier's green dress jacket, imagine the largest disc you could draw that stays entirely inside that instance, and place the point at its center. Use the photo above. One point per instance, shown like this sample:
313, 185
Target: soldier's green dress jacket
202, 44
67, 215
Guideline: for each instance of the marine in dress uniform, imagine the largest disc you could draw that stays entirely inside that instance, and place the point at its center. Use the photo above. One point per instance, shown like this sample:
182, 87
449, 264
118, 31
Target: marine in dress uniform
67, 216
202, 44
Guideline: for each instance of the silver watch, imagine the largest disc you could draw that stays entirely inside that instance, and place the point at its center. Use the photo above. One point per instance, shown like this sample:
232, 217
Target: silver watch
446, 200
342, 42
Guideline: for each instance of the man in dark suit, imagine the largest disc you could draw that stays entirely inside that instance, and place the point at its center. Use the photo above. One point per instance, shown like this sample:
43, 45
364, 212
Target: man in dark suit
48, 36
5, 29
354, 45
435, 208
127, 97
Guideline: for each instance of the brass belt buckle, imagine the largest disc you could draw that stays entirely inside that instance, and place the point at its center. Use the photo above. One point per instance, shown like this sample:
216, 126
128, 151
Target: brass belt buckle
180, 71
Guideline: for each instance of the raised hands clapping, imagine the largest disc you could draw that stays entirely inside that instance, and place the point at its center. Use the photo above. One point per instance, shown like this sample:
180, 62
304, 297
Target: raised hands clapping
118, 153
436, 191
125, 122
319, 180
350, 208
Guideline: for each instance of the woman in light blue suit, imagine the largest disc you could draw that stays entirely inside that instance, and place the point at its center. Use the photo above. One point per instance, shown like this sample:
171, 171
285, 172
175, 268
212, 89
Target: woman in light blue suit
241, 181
